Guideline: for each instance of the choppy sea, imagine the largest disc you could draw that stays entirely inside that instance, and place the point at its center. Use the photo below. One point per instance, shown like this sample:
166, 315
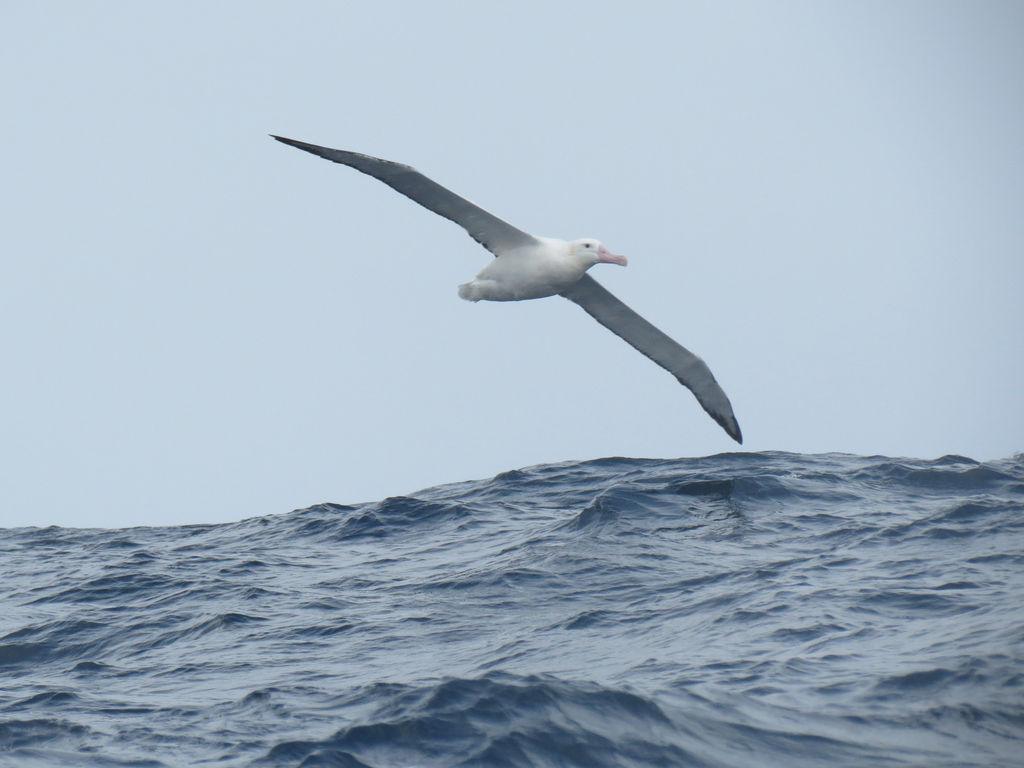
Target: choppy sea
745, 609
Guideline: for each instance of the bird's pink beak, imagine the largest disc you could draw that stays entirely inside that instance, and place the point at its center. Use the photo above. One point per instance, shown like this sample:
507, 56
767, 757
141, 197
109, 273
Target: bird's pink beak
603, 254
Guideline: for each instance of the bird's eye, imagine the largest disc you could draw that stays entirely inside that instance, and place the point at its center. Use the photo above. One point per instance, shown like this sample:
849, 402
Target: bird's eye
588, 245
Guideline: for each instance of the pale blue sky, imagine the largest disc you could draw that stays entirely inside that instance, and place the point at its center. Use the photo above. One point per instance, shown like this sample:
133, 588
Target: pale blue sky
823, 200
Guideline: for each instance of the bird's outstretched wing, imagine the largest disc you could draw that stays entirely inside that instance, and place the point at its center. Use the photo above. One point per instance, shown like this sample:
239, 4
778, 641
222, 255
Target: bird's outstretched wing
492, 233
690, 370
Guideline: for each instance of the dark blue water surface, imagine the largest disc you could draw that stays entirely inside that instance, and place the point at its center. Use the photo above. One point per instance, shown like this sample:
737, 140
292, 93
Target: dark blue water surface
748, 609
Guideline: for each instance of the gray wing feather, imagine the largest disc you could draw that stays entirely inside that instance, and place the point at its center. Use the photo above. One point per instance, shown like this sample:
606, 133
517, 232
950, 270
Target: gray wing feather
692, 372
487, 229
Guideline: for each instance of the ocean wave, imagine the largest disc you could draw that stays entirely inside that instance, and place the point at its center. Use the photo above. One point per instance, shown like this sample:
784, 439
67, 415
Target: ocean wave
766, 609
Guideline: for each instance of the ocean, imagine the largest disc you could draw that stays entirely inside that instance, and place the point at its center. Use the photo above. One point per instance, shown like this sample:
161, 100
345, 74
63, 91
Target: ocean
744, 609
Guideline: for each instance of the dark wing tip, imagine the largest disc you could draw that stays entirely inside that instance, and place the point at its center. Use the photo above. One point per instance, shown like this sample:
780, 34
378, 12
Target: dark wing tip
727, 421
293, 142
734, 431
720, 411
314, 149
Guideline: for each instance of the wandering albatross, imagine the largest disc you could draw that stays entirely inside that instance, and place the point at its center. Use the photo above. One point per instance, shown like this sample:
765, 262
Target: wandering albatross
531, 267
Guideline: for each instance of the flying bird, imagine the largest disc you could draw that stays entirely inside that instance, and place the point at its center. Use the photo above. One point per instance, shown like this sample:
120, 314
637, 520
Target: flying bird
532, 267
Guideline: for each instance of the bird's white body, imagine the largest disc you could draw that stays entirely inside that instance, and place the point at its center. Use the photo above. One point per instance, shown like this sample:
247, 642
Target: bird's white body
533, 271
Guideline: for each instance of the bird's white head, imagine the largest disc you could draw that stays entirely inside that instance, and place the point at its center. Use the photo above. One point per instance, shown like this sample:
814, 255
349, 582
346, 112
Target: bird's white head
591, 252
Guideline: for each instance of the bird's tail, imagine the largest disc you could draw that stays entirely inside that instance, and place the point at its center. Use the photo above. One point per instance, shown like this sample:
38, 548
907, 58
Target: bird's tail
470, 291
